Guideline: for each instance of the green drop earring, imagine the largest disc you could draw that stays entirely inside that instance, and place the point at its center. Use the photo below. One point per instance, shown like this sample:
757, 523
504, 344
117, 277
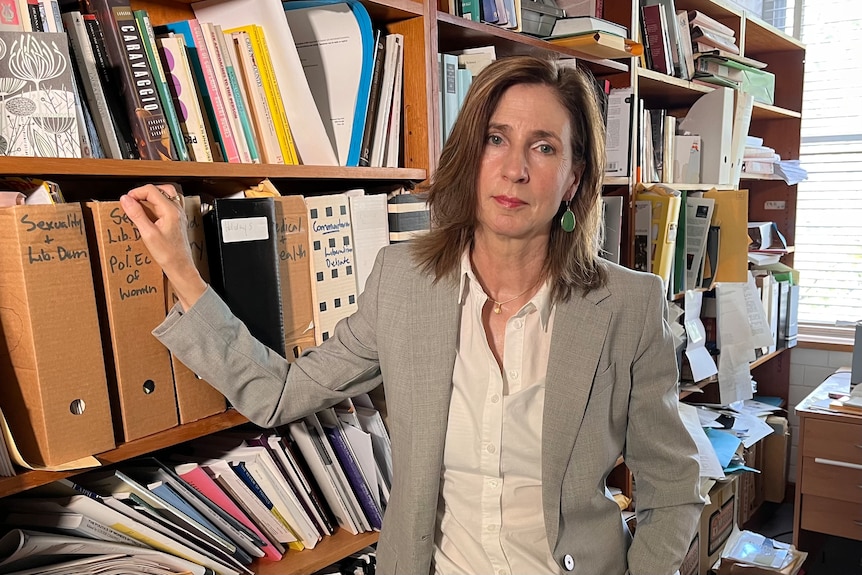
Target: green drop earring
567, 222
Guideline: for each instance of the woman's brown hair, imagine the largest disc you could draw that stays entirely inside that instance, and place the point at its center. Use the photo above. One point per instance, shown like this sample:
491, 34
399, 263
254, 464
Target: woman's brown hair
573, 258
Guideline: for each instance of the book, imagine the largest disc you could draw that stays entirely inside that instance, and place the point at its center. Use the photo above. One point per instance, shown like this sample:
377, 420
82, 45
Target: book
698, 18
184, 92
706, 37
126, 55
312, 143
261, 117
285, 447
333, 262
664, 221
40, 117
574, 25
336, 45
237, 86
150, 49
111, 87
320, 465
354, 476
206, 84
394, 42
243, 261
373, 99
229, 101
657, 39
393, 129
274, 98
668, 7
69, 523
93, 91
203, 483
370, 221
600, 45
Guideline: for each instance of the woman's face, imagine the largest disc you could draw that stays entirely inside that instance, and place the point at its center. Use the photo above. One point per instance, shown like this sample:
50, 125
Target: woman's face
526, 168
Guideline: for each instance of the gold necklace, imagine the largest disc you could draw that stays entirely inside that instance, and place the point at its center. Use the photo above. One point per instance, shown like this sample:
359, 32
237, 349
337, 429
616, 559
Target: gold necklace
498, 305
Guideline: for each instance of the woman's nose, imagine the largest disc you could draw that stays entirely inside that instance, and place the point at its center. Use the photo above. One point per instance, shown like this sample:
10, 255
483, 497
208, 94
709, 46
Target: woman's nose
515, 165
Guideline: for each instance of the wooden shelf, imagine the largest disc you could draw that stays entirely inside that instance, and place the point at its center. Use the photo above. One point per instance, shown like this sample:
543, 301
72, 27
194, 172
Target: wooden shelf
661, 90
456, 33
764, 358
175, 435
105, 168
329, 550
615, 181
699, 385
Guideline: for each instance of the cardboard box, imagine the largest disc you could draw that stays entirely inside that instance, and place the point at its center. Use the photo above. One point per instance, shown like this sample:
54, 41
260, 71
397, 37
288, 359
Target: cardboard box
744, 551
54, 391
130, 291
294, 268
691, 562
750, 487
716, 522
775, 457
196, 398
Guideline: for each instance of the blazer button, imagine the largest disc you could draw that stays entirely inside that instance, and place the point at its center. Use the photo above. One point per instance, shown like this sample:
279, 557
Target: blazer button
569, 563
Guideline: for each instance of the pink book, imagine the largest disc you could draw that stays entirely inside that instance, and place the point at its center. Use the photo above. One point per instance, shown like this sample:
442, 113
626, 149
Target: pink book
227, 139
194, 475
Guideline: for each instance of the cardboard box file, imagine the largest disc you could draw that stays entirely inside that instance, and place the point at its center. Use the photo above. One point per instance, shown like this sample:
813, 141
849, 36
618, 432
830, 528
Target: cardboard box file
716, 522
54, 391
294, 268
130, 289
196, 399
775, 457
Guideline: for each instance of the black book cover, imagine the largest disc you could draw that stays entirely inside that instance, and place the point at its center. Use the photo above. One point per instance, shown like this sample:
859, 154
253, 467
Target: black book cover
243, 261
373, 100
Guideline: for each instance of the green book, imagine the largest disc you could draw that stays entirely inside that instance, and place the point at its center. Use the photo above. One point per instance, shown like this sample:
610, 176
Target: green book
148, 40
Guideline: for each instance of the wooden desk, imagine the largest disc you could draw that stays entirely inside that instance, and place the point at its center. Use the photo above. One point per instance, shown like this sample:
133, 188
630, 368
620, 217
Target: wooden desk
829, 480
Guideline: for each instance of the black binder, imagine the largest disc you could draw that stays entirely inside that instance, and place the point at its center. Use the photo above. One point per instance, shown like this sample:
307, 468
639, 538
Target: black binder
243, 261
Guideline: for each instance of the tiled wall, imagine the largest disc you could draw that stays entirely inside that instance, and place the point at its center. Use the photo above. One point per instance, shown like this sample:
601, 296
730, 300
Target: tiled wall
808, 369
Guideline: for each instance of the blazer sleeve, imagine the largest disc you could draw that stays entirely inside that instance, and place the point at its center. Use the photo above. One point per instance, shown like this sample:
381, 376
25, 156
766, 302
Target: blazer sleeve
659, 451
260, 383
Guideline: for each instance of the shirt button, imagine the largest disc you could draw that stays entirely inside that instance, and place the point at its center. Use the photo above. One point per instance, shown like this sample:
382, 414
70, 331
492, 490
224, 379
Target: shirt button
493, 483
491, 527
518, 324
495, 398
491, 448
501, 572
569, 562
513, 373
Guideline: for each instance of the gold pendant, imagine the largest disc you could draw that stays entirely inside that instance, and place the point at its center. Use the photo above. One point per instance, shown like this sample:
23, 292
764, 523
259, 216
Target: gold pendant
497, 309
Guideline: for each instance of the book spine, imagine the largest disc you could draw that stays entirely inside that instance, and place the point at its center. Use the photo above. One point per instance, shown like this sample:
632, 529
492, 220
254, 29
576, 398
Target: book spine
261, 114
228, 54
125, 53
152, 53
83, 54
373, 100
36, 24
354, 476
185, 95
245, 475
111, 88
656, 38
226, 138
295, 457
276, 103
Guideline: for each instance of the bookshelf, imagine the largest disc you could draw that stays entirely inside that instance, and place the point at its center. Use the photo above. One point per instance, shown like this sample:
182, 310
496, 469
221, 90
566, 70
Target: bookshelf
428, 29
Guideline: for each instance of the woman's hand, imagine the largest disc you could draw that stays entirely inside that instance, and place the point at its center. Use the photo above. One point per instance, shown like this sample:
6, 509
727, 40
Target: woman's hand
163, 227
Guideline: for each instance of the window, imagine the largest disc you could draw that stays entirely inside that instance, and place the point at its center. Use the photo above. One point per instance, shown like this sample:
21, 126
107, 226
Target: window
829, 203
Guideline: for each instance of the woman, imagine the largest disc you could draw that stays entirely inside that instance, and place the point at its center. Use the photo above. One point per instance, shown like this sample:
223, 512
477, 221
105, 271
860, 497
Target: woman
518, 365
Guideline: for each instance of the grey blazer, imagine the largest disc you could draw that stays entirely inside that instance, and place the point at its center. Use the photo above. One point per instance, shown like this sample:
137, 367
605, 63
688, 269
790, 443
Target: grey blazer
610, 390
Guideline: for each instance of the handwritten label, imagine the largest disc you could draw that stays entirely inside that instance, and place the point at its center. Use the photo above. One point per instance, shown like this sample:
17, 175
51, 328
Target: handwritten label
58, 238
244, 229
292, 229
127, 263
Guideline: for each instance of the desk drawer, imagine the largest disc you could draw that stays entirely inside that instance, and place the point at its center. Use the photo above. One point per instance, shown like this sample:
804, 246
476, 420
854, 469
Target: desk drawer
833, 481
833, 440
832, 517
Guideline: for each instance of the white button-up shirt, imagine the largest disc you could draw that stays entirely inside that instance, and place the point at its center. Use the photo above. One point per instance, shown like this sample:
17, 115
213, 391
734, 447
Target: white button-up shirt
490, 519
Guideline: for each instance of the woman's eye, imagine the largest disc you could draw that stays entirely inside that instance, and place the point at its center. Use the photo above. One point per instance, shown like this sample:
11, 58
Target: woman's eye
495, 139
546, 148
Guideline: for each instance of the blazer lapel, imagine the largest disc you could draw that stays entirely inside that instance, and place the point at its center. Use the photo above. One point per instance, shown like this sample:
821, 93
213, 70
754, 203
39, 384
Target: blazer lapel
580, 328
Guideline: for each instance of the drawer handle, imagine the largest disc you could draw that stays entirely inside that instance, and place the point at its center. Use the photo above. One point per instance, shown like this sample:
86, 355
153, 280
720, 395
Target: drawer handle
824, 461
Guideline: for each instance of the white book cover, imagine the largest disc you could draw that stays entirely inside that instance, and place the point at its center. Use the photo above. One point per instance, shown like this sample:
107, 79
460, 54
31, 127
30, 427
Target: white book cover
336, 46
318, 461
612, 222
333, 262
369, 217
297, 481
617, 133
742, 110
308, 131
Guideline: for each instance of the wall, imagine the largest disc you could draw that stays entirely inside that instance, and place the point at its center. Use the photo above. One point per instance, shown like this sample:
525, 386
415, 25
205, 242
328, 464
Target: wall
808, 369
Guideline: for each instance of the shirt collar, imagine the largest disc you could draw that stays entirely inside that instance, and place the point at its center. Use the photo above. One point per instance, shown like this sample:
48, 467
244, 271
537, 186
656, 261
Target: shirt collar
541, 300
